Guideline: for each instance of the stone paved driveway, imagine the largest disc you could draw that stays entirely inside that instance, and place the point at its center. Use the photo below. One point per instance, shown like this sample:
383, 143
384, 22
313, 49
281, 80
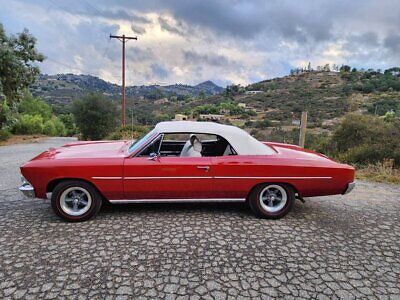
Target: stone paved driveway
331, 247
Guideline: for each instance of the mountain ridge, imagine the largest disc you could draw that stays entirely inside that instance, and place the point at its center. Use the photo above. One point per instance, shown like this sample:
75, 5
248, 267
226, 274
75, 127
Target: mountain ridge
64, 88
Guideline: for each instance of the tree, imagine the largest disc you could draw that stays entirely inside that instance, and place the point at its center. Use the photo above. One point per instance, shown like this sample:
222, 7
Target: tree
202, 95
327, 68
345, 68
34, 106
18, 55
95, 116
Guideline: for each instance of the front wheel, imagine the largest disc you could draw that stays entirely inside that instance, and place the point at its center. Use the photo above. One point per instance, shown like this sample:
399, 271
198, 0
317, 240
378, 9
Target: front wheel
272, 200
75, 201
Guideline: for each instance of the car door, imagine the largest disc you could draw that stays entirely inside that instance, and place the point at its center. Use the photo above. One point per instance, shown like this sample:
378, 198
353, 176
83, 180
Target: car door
159, 178
236, 175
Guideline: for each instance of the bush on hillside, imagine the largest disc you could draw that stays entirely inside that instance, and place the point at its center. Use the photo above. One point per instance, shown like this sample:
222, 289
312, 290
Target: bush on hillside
95, 116
69, 123
28, 124
34, 106
7, 114
362, 140
4, 134
128, 132
54, 127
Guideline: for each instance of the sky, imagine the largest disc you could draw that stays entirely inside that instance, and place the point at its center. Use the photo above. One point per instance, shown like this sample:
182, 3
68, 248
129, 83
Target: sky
190, 41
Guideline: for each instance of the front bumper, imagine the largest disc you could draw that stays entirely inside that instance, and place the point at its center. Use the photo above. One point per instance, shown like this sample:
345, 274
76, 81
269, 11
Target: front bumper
349, 188
27, 189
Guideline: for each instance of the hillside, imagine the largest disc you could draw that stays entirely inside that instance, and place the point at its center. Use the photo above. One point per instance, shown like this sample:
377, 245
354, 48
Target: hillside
325, 95
63, 88
278, 102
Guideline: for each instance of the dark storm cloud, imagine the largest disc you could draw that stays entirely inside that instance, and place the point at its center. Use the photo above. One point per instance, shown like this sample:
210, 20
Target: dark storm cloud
85, 8
138, 29
366, 39
195, 58
257, 37
166, 25
159, 71
358, 43
392, 42
115, 14
137, 54
297, 20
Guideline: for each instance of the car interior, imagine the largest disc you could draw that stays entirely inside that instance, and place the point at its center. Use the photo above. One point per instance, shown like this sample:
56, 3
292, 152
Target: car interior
188, 145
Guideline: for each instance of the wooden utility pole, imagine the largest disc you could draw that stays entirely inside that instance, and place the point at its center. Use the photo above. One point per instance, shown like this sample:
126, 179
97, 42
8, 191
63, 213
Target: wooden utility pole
303, 128
123, 39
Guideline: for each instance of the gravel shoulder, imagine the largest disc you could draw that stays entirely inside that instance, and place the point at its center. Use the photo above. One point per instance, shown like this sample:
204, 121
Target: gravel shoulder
330, 247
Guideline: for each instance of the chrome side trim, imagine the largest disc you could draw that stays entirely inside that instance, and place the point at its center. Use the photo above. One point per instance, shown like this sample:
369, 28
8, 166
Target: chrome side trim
169, 177
121, 201
106, 178
220, 177
256, 177
209, 177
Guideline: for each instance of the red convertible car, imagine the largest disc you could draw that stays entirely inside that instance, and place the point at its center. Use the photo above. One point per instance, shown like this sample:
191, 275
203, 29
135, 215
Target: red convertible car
182, 162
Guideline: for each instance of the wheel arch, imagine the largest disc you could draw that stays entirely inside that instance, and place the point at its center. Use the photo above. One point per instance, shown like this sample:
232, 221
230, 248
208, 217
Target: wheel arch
53, 183
271, 182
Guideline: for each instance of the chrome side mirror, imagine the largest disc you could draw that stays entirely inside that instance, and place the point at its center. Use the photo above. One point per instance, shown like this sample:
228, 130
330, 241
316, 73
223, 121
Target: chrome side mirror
154, 156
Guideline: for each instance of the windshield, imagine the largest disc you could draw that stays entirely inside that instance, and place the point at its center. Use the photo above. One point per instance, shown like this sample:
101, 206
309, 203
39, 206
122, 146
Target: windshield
140, 142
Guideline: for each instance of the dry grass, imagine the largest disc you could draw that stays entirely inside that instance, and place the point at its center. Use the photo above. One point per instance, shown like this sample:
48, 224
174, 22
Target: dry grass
379, 173
22, 139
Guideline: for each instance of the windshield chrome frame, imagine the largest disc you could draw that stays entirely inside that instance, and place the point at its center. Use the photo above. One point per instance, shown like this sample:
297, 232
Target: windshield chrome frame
151, 139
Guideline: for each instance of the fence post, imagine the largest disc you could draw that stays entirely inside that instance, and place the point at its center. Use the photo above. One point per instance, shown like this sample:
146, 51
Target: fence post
303, 128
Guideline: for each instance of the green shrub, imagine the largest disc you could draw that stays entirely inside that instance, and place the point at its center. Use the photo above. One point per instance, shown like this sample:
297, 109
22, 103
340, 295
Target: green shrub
27, 124
35, 106
5, 113
60, 128
128, 132
366, 139
69, 123
54, 127
49, 128
4, 134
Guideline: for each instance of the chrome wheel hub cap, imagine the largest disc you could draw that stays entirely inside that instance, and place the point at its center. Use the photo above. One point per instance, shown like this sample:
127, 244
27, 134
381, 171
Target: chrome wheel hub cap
75, 201
273, 198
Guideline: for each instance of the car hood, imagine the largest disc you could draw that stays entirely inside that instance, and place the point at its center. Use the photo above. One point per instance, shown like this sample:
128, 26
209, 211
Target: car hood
95, 149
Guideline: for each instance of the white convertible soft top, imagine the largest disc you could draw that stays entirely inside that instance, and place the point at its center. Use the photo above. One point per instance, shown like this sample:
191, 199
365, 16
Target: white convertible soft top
240, 140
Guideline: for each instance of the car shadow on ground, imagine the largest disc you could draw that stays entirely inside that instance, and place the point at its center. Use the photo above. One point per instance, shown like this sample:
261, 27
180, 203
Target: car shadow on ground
160, 208
231, 209
241, 210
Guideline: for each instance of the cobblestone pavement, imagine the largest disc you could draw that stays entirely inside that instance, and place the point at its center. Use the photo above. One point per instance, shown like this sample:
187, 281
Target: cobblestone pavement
330, 247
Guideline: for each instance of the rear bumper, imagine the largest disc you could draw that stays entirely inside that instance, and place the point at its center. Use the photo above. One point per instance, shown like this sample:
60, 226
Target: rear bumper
349, 188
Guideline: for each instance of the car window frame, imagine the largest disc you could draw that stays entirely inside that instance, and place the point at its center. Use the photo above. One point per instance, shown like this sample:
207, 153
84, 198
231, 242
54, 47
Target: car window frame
137, 154
161, 135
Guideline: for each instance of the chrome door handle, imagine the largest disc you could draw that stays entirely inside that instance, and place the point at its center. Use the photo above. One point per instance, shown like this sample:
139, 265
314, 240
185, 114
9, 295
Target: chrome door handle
206, 168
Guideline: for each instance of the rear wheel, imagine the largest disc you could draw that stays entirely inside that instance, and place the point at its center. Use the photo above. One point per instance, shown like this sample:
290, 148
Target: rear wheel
75, 200
272, 200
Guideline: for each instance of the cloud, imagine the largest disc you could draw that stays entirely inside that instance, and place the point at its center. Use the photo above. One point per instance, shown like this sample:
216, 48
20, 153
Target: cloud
392, 42
227, 41
167, 25
195, 58
159, 71
138, 29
